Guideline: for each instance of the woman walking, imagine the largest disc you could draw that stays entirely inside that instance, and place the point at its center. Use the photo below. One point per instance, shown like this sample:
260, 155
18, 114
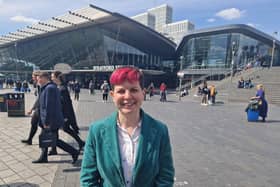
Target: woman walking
70, 123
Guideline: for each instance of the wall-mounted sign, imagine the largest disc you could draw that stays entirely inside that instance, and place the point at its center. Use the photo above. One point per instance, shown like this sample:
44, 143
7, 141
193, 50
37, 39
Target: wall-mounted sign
108, 68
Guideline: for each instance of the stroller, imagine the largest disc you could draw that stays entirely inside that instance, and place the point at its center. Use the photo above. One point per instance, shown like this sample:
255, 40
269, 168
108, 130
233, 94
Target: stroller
253, 110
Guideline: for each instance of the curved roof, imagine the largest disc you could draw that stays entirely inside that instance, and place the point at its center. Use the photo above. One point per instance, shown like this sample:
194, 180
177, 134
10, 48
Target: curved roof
133, 33
235, 28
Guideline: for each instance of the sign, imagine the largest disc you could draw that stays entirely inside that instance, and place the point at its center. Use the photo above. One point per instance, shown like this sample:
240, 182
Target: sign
108, 68
63, 68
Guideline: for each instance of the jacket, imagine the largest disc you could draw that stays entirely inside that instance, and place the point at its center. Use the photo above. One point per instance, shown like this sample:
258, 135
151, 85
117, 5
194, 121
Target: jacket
67, 108
101, 165
50, 107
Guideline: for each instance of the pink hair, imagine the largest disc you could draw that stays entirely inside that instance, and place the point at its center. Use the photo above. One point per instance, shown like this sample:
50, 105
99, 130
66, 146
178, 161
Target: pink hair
123, 74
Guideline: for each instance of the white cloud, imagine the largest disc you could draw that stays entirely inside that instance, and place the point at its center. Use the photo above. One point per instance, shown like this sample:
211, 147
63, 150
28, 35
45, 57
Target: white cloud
24, 19
7, 8
211, 20
230, 14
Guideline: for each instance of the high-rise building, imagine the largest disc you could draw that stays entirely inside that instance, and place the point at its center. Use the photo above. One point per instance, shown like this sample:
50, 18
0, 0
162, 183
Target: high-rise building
163, 15
177, 30
160, 19
146, 19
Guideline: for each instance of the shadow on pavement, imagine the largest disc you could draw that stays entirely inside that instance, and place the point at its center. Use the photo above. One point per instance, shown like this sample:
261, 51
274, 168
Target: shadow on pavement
25, 116
271, 121
60, 161
84, 128
76, 169
170, 101
18, 184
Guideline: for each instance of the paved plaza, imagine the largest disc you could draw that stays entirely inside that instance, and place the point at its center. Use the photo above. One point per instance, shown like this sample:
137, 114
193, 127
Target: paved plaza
213, 146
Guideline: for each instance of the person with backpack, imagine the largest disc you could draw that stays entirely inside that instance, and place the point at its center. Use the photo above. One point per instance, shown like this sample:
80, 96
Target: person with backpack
105, 88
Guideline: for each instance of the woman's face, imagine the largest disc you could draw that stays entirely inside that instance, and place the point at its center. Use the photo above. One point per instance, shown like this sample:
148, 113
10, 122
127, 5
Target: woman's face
128, 97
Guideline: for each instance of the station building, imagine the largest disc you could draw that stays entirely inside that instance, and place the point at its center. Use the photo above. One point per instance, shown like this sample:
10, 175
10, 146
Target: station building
94, 42
222, 49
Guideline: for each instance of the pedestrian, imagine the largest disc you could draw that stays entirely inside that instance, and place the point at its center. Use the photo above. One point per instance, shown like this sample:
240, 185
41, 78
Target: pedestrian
128, 148
34, 111
151, 89
51, 117
205, 92
262, 103
91, 87
105, 88
212, 93
70, 123
162, 89
77, 90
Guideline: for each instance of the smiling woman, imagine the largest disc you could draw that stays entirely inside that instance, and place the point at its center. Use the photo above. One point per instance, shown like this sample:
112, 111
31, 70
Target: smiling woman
128, 148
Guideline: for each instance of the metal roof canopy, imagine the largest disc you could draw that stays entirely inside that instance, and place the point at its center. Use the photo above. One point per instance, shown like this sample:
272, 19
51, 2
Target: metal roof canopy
86, 17
147, 39
72, 18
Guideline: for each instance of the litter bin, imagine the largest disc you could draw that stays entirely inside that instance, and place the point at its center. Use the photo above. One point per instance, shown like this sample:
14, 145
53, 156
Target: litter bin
3, 103
15, 104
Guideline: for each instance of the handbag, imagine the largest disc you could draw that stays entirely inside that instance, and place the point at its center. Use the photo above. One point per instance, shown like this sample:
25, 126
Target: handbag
47, 138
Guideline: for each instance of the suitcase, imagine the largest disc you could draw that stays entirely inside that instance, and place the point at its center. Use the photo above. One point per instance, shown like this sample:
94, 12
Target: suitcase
252, 115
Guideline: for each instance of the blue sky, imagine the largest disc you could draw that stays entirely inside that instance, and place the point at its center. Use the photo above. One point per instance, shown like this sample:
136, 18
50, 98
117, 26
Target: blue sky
261, 14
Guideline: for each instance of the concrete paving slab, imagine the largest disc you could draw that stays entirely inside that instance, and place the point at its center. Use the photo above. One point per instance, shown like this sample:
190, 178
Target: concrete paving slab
213, 146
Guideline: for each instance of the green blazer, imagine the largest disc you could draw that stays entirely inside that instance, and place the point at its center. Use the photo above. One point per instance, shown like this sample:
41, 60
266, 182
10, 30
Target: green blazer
101, 165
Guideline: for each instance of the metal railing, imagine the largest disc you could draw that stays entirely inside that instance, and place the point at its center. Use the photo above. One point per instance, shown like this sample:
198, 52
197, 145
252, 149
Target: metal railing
225, 72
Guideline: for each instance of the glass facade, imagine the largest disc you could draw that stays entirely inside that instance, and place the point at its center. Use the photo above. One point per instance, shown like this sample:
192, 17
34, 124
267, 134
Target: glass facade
81, 49
221, 50
95, 50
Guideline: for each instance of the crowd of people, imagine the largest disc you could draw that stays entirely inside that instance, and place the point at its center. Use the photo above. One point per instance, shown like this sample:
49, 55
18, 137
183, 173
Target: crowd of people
245, 83
110, 140
115, 145
208, 94
18, 85
53, 110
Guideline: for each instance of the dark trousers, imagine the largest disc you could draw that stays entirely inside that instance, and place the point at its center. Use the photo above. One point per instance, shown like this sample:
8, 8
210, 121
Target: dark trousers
61, 144
72, 133
34, 126
105, 97
76, 96
213, 99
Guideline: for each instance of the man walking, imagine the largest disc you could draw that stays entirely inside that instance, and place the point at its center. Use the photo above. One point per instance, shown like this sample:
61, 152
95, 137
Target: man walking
34, 111
51, 117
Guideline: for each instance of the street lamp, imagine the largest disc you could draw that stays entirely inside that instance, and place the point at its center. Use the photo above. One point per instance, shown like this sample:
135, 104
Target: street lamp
16, 55
272, 53
232, 60
180, 74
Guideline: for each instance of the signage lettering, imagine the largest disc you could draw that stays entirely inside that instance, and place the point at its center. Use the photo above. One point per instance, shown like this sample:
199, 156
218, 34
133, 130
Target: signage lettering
109, 68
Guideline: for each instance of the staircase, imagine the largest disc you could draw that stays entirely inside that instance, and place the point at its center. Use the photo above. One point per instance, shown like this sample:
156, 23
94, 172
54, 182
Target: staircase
228, 91
270, 78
